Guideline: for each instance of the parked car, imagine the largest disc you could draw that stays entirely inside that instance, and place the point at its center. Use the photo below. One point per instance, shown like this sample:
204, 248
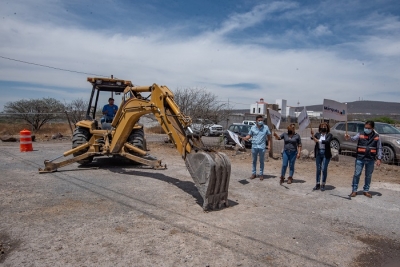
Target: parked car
207, 128
389, 135
240, 129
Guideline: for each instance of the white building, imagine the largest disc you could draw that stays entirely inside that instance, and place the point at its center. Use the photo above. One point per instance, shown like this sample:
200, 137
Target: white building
311, 114
290, 112
314, 114
282, 104
260, 107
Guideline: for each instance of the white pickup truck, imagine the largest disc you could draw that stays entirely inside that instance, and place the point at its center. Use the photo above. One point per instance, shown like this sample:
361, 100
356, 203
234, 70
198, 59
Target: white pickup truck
207, 128
249, 122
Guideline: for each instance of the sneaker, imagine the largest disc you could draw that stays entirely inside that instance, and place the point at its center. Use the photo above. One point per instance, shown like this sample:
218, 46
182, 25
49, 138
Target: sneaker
317, 187
353, 194
322, 187
252, 176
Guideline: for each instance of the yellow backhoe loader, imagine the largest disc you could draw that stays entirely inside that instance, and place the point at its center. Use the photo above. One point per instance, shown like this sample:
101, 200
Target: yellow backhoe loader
124, 137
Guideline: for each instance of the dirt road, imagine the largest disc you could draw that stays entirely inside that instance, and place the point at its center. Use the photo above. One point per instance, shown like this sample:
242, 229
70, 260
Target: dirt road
116, 214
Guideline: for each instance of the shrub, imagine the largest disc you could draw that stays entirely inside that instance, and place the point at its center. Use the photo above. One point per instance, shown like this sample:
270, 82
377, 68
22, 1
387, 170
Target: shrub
385, 120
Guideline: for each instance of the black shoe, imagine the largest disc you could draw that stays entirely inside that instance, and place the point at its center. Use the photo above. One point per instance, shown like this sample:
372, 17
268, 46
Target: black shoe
322, 187
317, 187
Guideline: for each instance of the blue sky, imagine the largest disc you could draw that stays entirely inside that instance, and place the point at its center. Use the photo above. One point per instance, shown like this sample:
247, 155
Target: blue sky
301, 51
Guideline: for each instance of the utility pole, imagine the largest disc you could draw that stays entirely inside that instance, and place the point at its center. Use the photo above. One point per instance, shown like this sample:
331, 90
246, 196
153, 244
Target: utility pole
227, 117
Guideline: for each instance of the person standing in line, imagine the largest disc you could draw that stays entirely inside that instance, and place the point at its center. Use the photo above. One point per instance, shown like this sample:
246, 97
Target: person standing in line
369, 148
259, 134
109, 110
322, 153
291, 151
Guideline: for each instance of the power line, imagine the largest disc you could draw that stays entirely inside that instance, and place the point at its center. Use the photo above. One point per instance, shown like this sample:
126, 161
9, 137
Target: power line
50, 67
30, 113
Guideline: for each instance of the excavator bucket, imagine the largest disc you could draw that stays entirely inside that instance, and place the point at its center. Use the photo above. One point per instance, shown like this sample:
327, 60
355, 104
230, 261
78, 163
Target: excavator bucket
211, 172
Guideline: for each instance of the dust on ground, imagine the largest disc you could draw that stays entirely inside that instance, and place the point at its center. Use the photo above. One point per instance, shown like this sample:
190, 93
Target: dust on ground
117, 214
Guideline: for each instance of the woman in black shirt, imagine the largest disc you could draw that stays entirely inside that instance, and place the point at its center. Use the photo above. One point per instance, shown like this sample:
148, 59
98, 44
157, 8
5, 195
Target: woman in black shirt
323, 154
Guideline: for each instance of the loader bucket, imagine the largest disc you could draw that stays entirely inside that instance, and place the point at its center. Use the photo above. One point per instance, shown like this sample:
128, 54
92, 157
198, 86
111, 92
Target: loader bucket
211, 172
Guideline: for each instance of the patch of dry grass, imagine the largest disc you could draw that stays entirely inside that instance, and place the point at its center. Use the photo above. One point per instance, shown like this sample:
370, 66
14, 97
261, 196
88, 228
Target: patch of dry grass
47, 129
51, 128
155, 130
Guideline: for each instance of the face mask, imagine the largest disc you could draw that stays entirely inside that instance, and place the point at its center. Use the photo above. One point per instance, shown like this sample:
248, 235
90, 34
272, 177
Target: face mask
367, 131
290, 132
323, 130
260, 123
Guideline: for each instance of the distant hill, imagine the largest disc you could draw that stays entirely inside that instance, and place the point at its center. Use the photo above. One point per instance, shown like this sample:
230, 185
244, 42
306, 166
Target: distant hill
241, 111
372, 107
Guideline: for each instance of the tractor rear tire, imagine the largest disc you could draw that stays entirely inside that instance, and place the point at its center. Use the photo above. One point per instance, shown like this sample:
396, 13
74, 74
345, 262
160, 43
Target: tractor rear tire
81, 136
136, 138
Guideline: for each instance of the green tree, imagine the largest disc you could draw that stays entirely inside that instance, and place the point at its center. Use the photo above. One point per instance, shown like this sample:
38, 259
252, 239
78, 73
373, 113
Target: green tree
385, 119
36, 112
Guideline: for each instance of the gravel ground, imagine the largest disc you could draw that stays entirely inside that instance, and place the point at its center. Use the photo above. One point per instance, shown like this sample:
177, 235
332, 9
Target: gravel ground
118, 214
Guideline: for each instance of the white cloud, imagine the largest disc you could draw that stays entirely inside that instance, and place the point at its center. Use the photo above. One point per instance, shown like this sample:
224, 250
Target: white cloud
382, 46
207, 60
321, 30
259, 13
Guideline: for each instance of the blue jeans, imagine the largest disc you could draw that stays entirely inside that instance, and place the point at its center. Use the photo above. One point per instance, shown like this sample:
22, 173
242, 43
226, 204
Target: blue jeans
261, 153
369, 168
288, 157
322, 164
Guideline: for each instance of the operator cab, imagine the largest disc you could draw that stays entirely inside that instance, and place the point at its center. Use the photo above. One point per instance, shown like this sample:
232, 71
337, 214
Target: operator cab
112, 87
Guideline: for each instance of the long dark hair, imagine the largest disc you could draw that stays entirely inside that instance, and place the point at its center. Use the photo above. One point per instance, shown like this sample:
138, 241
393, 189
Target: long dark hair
328, 129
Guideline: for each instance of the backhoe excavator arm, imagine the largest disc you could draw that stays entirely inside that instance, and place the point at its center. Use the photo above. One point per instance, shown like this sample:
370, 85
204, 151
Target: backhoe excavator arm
162, 105
209, 169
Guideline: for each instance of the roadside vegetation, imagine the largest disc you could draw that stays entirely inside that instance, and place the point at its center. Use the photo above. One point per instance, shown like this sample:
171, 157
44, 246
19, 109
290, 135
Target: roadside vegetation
386, 120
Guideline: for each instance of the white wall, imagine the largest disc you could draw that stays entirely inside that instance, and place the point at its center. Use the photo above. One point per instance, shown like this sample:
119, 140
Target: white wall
315, 114
290, 112
282, 103
258, 108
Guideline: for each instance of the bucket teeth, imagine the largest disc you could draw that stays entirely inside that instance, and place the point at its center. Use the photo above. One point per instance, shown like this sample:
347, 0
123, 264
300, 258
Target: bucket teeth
211, 173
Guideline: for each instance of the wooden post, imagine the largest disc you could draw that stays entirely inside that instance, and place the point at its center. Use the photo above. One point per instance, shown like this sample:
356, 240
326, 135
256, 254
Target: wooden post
269, 124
